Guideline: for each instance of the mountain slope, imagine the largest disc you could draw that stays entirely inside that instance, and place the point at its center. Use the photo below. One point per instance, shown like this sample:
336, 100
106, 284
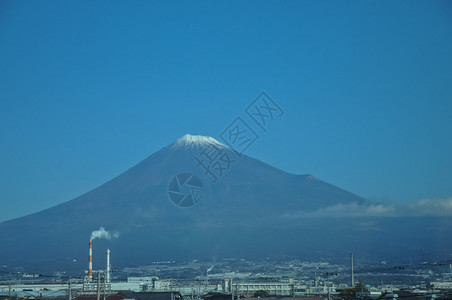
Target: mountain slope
238, 214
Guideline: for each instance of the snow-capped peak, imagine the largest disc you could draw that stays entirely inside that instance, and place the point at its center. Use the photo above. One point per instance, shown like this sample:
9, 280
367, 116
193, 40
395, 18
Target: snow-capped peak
196, 141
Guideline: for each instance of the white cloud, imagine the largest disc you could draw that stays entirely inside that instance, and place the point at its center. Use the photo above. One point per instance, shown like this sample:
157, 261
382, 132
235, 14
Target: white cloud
347, 210
430, 207
425, 207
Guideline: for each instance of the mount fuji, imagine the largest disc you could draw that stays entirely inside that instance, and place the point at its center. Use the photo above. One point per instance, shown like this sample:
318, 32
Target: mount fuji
171, 206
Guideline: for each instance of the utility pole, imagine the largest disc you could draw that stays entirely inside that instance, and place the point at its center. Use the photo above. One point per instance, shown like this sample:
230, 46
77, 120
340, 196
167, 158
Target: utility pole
232, 290
69, 290
328, 287
351, 265
98, 285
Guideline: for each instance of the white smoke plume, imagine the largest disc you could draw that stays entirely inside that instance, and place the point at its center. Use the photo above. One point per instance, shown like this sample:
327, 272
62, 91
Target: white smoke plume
209, 269
101, 233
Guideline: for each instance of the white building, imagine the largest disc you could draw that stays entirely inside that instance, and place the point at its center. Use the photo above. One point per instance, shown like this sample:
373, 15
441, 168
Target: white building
273, 288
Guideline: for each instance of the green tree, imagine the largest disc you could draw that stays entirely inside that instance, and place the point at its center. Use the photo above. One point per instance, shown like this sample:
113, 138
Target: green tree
261, 293
351, 292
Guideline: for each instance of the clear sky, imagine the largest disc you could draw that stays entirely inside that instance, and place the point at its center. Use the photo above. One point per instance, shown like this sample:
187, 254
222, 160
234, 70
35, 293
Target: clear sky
90, 88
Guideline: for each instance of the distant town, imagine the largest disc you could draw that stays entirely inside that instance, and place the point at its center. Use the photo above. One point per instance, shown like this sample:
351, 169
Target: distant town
236, 278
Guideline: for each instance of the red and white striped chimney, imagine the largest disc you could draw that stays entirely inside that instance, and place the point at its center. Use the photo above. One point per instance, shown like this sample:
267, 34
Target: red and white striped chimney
90, 261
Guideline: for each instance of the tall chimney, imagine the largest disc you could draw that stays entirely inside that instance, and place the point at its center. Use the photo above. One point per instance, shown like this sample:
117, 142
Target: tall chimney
107, 279
351, 265
90, 261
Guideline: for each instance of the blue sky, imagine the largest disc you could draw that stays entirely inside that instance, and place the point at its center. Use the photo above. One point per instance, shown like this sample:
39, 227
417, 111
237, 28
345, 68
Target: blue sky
90, 88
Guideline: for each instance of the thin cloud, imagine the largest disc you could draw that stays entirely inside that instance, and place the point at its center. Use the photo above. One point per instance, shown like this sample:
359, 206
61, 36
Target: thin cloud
346, 210
431, 207
426, 207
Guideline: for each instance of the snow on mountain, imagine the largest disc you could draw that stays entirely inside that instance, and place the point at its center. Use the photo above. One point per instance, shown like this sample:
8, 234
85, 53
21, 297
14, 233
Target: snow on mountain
196, 141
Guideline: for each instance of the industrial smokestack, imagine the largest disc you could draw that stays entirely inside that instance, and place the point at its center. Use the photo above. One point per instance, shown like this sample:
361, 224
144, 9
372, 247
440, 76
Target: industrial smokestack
351, 265
90, 261
107, 279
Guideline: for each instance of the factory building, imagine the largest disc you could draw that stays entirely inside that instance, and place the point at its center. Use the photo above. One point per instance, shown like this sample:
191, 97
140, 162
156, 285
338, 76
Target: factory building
149, 283
124, 295
273, 288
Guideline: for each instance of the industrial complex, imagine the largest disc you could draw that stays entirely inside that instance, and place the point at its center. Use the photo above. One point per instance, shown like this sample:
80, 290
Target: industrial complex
286, 281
